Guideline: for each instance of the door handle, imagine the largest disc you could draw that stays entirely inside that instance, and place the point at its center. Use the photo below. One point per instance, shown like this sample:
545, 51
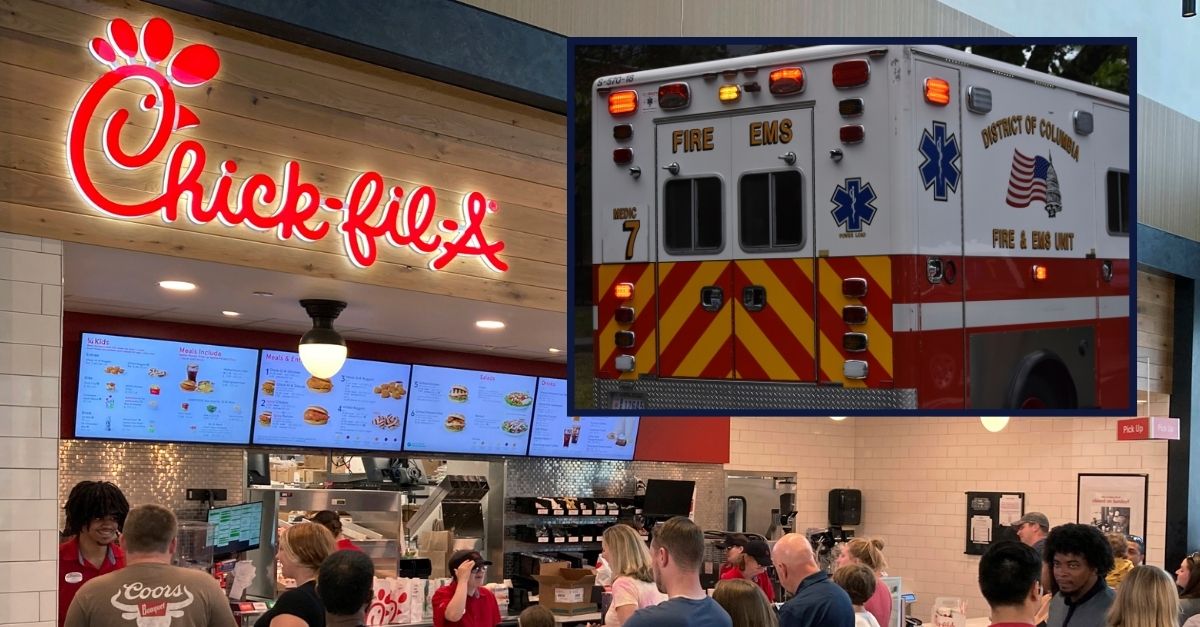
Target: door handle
754, 297
712, 298
934, 271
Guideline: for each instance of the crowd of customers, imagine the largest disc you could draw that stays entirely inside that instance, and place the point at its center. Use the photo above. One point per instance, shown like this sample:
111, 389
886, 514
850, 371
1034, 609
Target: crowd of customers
1071, 575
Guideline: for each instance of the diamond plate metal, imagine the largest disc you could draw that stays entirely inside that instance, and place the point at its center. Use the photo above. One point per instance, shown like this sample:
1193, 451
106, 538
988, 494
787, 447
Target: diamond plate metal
684, 395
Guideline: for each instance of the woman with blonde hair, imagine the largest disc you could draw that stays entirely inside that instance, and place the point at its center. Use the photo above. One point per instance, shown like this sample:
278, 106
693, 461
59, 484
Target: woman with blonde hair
745, 603
869, 553
1146, 598
302, 548
633, 586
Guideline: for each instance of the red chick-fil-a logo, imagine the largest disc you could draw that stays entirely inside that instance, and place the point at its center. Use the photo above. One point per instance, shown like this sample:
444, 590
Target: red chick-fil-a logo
406, 220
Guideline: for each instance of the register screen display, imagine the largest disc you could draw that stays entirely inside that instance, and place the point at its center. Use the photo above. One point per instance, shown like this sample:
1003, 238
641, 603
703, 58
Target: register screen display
555, 434
468, 411
236, 528
139, 389
360, 407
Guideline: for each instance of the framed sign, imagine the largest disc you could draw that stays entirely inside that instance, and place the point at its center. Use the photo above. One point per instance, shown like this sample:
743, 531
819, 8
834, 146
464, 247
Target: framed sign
990, 516
1113, 503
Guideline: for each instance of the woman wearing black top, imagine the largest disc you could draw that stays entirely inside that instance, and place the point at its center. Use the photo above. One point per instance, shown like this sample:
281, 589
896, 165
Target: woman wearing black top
302, 548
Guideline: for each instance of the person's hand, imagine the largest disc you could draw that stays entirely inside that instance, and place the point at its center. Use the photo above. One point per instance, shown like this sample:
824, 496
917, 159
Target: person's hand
463, 572
1044, 611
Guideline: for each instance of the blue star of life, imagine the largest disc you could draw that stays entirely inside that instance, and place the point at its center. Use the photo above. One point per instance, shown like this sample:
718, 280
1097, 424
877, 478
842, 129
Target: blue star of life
939, 169
853, 205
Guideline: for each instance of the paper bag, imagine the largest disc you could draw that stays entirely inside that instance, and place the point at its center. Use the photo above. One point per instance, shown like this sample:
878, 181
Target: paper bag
416, 600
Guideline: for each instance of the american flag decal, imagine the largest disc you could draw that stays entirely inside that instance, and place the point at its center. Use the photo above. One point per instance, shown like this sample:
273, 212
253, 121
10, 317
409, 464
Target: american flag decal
1027, 180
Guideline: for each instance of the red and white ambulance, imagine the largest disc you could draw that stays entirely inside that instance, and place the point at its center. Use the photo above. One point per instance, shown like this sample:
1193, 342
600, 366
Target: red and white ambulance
860, 226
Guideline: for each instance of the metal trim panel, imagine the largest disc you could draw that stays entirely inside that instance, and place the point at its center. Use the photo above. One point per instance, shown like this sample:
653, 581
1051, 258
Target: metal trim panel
684, 394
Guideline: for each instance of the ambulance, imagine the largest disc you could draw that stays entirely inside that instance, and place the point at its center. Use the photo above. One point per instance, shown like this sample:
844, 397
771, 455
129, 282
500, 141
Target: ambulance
860, 227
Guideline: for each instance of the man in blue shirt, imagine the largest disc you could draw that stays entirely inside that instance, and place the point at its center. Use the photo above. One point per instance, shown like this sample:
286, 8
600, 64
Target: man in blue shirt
677, 553
818, 602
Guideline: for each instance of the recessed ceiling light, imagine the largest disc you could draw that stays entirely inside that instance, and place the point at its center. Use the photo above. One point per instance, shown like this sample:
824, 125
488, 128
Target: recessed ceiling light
489, 324
264, 293
555, 350
837, 418
178, 286
231, 314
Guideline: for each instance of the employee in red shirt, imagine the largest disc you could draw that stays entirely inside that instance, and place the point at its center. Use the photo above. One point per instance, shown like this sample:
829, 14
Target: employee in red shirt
465, 602
95, 513
734, 544
755, 558
331, 521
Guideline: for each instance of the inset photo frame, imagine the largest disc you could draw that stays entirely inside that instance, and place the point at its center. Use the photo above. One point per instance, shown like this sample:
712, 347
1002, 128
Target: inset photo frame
1113, 502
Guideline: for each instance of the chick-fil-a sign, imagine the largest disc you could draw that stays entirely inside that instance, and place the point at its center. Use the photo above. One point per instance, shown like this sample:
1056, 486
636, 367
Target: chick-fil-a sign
407, 219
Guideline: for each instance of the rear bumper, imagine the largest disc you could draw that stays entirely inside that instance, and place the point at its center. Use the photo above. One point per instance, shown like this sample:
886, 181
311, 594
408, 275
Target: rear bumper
687, 395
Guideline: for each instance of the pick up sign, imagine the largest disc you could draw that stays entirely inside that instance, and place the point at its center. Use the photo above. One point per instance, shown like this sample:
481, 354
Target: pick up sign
1148, 428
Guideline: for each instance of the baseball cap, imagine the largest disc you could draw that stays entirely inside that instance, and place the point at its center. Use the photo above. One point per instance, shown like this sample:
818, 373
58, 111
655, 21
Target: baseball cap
1037, 518
759, 551
734, 539
459, 557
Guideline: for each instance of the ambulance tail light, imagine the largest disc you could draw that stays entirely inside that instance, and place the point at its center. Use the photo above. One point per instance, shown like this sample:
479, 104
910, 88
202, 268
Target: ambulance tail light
622, 132
854, 369
622, 102
729, 93
853, 73
625, 363
623, 291
851, 133
854, 314
1040, 273
854, 288
624, 339
850, 107
622, 155
937, 91
624, 315
787, 80
674, 96
854, 342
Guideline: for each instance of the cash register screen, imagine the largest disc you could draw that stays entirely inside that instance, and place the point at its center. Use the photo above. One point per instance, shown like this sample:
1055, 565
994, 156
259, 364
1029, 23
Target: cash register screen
235, 528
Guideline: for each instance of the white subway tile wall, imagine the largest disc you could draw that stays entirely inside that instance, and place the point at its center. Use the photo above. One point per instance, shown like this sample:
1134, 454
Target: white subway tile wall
30, 337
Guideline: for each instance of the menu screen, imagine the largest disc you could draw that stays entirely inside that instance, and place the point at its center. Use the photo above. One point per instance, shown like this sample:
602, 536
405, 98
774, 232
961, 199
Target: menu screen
361, 407
588, 437
466, 411
139, 389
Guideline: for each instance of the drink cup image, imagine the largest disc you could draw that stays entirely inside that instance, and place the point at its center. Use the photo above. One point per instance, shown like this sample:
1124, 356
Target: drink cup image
192, 371
566, 438
575, 434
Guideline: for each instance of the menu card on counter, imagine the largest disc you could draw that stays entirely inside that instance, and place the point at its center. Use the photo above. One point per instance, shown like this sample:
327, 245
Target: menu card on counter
585, 437
140, 389
467, 411
361, 407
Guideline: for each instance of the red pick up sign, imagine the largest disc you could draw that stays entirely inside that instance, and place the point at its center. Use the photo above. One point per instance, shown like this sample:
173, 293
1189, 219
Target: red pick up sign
1148, 428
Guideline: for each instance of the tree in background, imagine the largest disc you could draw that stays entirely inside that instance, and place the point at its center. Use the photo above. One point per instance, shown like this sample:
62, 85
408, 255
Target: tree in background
1104, 66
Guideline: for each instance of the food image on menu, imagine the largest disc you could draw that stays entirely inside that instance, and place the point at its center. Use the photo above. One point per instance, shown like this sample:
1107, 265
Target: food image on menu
319, 385
264, 419
518, 399
114, 370
205, 387
515, 427
155, 372
155, 390
268, 387
211, 408
392, 389
316, 415
110, 386
387, 422
456, 422
187, 385
458, 393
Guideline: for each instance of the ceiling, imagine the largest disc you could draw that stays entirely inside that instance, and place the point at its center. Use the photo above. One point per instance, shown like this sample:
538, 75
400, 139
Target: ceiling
125, 283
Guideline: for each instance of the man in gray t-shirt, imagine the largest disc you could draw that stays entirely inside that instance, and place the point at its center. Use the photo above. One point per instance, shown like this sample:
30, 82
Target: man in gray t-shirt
1079, 557
149, 590
677, 552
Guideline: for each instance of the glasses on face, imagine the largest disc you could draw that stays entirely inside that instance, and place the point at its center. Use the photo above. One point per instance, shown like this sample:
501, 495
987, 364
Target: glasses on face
479, 569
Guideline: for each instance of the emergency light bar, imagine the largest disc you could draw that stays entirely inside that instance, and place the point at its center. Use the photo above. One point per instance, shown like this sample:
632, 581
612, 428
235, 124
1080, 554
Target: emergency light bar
787, 80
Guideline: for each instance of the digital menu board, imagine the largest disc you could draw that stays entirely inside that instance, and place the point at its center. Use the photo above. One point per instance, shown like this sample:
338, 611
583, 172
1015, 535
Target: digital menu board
466, 411
139, 389
555, 434
361, 407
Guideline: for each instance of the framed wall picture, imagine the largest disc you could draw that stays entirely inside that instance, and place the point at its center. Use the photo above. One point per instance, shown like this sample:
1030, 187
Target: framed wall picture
1113, 503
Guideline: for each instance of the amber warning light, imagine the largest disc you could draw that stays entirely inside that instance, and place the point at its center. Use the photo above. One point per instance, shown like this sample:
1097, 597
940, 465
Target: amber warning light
622, 102
937, 91
1040, 273
623, 291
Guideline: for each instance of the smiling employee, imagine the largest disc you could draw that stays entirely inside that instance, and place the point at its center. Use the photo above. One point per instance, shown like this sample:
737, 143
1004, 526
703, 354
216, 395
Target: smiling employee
96, 513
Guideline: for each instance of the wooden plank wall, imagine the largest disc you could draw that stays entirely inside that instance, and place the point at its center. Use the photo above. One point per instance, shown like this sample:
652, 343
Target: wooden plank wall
273, 101
1155, 341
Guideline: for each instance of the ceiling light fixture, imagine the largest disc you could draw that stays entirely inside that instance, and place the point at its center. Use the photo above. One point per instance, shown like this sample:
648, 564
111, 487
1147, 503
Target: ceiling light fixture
555, 350
264, 294
1189, 8
177, 286
995, 424
230, 314
489, 324
837, 418
322, 350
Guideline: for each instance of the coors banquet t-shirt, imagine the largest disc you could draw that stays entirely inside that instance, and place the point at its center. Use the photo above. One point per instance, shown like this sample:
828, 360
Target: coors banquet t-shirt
151, 595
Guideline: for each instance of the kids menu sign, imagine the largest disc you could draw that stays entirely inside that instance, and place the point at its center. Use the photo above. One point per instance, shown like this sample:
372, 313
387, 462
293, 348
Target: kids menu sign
369, 213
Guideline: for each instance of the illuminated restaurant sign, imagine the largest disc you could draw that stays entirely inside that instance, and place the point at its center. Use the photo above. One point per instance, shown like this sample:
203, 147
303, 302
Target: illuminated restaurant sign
406, 219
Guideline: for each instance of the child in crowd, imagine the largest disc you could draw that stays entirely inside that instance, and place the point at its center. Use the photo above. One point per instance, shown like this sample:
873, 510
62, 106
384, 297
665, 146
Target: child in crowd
858, 580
